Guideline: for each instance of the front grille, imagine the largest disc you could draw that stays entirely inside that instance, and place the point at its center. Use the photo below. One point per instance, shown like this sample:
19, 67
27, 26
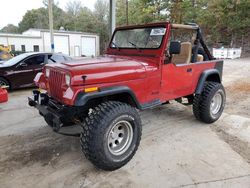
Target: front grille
56, 79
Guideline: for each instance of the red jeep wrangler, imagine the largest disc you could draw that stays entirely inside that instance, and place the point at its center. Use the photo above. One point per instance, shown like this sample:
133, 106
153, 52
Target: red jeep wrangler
145, 66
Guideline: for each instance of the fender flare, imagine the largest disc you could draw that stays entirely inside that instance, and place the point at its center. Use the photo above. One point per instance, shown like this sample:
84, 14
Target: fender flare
82, 98
203, 78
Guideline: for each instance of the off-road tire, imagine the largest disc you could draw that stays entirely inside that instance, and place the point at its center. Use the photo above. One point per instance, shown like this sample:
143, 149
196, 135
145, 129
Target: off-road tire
96, 131
202, 102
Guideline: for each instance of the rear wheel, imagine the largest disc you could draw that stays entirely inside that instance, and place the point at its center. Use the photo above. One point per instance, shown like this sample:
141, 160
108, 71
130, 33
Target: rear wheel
111, 135
208, 106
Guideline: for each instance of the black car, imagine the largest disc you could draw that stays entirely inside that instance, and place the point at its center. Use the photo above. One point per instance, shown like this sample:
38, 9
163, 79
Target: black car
20, 71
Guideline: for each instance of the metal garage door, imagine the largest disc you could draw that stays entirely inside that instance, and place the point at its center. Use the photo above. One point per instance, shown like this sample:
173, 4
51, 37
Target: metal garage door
88, 46
62, 44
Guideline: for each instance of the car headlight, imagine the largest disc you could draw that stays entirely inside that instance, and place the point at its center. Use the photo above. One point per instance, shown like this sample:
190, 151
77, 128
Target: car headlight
67, 80
47, 71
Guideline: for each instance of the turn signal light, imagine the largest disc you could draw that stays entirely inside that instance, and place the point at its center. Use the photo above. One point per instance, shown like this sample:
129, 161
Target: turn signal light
90, 89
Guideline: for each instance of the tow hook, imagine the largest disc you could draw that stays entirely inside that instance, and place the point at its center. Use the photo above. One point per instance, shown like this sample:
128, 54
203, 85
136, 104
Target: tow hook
32, 103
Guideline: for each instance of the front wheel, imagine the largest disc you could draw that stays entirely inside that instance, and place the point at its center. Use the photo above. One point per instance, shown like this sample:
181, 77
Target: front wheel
111, 135
208, 106
4, 83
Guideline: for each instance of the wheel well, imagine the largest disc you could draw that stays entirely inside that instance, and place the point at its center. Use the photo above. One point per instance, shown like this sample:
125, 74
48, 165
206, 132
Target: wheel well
121, 97
213, 78
210, 75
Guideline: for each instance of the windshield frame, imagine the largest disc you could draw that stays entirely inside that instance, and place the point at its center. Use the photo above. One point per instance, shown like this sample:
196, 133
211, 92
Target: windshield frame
139, 27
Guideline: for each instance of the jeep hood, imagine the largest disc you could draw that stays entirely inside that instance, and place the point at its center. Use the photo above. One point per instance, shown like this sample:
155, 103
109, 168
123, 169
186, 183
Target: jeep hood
103, 70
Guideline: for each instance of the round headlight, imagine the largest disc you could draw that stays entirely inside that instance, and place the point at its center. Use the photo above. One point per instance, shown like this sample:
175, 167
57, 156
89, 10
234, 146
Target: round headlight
47, 71
67, 80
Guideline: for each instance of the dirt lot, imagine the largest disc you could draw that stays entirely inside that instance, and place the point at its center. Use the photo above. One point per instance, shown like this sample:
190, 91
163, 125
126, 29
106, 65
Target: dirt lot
175, 151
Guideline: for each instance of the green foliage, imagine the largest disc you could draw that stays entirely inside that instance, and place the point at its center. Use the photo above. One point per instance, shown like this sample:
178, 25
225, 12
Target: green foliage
221, 20
35, 18
100, 21
39, 18
10, 28
141, 11
83, 19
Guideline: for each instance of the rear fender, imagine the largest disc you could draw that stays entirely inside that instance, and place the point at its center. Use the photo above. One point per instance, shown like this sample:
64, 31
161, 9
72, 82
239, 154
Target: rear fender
208, 75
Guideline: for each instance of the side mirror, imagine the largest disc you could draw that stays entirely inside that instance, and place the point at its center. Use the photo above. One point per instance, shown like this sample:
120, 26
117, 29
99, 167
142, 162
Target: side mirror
22, 64
175, 47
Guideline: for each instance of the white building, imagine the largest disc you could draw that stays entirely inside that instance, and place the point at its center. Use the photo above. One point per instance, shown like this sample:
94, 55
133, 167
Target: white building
68, 42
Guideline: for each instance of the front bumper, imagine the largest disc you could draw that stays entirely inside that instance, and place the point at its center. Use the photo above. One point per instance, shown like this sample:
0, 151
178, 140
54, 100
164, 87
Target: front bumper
61, 118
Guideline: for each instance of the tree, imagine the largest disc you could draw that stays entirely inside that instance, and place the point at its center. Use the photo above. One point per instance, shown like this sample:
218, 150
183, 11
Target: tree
85, 20
101, 22
74, 7
10, 28
224, 21
141, 11
39, 18
35, 18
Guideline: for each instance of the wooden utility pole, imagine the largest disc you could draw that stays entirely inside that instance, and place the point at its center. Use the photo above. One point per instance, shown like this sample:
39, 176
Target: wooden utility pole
112, 11
193, 3
52, 45
127, 11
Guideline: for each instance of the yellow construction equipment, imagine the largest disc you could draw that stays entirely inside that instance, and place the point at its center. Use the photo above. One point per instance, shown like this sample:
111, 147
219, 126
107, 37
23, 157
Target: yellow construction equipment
5, 53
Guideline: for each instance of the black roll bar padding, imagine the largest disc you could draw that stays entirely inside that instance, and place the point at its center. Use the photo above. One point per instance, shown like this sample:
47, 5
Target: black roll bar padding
201, 40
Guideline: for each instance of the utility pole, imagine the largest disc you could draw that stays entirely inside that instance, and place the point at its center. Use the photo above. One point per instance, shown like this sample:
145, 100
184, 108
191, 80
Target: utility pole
51, 26
127, 11
112, 12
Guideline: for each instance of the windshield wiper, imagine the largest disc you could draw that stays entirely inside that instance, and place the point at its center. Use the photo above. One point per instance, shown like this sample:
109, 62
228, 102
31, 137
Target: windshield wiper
116, 46
134, 45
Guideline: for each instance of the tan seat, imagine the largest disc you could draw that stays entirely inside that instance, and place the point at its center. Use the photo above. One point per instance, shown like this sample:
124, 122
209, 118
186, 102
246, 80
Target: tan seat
200, 58
185, 54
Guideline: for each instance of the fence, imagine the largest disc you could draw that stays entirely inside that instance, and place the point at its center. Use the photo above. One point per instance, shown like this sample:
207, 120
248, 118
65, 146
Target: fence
227, 53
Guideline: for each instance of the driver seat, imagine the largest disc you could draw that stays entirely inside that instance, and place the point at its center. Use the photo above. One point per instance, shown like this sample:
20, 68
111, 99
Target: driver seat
185, 54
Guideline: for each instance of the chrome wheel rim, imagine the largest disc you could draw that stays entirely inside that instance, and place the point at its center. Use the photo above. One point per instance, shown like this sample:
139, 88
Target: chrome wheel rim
120, 137
3, 83
216, 103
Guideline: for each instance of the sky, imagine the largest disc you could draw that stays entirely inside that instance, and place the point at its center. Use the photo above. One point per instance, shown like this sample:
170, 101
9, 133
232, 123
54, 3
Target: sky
12, 11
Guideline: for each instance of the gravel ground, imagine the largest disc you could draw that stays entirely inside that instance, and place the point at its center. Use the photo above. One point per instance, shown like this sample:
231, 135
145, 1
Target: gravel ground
175, 151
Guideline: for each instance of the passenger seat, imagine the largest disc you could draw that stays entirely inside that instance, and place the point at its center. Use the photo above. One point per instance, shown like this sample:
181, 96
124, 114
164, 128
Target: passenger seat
200, 58
185, 54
